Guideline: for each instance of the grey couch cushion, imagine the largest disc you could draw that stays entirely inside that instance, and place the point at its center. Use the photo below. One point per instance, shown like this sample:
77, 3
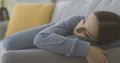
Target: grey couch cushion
42, 56
39, 56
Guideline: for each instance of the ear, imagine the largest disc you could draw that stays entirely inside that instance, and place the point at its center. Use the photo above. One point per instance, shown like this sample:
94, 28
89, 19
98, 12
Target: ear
75, 31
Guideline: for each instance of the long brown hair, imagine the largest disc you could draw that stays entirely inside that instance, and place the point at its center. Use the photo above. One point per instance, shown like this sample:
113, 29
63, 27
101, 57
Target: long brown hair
109, 27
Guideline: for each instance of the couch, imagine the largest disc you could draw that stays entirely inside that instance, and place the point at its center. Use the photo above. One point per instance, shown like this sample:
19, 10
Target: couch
63, 9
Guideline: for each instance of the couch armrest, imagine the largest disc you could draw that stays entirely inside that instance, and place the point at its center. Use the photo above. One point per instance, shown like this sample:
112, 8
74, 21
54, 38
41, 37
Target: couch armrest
3, 27
39, 56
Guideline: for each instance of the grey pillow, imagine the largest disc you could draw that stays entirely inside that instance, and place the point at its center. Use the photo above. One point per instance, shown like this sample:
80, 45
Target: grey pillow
112, 45
113, 55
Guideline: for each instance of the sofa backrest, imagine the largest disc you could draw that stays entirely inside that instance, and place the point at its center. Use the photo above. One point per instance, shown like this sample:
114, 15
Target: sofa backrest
59, 10
67, 8
114, 6
85, 7
11, 3
106, 5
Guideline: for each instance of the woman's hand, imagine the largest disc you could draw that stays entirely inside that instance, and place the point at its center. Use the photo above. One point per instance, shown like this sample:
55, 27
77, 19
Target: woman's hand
96, 55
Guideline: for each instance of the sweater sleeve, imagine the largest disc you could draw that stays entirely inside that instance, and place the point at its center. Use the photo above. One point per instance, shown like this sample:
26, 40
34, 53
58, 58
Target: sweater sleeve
54, 38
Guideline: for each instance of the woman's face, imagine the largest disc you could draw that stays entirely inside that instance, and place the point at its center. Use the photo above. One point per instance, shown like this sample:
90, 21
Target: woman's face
88, 28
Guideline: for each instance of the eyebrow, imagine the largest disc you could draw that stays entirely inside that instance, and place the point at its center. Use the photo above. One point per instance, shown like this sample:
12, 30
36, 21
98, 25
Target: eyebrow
88, 33
86, 18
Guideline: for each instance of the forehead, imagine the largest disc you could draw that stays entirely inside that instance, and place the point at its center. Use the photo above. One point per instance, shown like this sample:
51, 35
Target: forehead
92, 17
92, 20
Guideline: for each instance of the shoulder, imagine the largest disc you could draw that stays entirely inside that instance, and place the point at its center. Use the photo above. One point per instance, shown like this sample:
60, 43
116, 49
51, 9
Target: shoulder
73, 20
75, 17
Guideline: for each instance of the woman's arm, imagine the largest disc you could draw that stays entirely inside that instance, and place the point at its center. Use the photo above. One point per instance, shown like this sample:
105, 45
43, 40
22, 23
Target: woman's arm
23, 39
54, 39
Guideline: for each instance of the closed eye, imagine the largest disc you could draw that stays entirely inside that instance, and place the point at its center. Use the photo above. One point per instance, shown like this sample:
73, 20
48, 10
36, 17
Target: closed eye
87, 34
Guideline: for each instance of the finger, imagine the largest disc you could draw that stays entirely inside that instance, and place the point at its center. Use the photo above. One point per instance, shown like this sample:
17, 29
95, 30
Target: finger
103, 51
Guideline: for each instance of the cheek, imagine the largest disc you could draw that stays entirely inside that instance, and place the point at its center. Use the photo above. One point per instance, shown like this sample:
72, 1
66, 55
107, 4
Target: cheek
93, 27
94, 31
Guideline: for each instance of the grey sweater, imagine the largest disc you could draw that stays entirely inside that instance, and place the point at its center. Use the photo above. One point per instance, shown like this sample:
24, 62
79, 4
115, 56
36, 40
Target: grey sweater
54, 38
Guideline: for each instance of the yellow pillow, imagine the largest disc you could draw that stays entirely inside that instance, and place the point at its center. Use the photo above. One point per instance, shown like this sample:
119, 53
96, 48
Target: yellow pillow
29, 15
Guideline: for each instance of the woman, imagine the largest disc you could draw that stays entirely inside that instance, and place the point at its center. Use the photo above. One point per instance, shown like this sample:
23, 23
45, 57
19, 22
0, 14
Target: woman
101, 27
